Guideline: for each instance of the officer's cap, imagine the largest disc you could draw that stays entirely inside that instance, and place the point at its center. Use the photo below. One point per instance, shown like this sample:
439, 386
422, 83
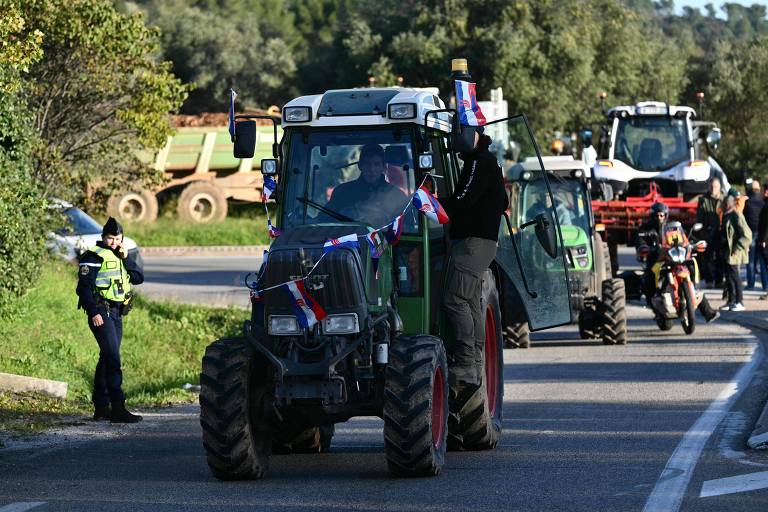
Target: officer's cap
112, 227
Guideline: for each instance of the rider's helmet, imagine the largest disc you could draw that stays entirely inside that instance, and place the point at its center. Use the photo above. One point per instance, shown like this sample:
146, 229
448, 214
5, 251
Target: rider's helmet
659, 207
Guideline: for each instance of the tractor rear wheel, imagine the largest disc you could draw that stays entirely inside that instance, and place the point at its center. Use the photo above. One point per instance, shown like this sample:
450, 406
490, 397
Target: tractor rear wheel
517, 335
233, 389
416, 406
613, 311
476, 411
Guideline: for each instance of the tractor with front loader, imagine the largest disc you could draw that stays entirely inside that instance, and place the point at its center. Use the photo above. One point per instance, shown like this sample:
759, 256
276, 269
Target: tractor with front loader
384, 348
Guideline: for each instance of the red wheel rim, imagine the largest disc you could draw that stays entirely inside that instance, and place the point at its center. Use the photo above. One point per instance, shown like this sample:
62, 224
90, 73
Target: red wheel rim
438, 408
491, 360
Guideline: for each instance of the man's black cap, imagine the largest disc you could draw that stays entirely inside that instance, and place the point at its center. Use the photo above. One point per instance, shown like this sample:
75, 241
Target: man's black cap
112, 227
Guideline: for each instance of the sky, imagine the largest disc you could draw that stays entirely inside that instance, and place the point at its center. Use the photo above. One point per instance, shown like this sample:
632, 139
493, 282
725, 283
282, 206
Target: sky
679, 4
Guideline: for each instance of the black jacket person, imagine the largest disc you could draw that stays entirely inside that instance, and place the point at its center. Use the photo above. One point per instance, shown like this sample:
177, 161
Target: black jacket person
106, 277
475, 211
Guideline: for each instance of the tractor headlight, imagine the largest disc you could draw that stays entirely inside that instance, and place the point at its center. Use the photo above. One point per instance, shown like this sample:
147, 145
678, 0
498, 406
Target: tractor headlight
583, 262
402, 111
283, 325
297, 114
677, 254
341, 324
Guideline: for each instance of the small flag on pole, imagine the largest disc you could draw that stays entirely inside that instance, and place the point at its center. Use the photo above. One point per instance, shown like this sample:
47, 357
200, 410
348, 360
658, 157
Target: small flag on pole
269, 187
273, 231
338, 243
376, 243
394, 230
232, 96
466, 101
427, 204
308, 312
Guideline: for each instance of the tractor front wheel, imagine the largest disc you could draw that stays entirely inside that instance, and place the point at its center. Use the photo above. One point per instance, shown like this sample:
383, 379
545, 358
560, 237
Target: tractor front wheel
233, 390
416, 406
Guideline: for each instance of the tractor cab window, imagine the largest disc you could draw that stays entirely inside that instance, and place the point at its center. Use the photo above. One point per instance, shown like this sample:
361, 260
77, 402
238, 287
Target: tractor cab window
356, 175
652, 143
570, 206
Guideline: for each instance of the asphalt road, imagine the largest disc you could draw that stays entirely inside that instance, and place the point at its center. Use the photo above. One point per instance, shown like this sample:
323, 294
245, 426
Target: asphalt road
586, 427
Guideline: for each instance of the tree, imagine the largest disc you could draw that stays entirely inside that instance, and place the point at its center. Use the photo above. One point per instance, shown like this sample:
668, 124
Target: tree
99, 96
22, 208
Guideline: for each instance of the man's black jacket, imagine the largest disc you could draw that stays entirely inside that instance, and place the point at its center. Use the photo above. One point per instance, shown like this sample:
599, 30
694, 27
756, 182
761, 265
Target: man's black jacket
476, 207
90, 263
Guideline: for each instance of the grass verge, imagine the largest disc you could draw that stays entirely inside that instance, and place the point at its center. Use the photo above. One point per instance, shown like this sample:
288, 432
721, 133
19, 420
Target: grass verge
48, 337
246, 225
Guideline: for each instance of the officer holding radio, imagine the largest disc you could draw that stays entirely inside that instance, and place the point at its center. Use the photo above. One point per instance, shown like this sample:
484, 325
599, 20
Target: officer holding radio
106, 277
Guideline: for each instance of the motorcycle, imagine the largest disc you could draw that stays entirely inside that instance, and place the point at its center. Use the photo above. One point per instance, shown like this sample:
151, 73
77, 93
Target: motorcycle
676, 272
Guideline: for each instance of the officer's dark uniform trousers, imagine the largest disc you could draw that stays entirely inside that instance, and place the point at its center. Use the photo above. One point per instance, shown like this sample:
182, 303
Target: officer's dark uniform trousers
108, 378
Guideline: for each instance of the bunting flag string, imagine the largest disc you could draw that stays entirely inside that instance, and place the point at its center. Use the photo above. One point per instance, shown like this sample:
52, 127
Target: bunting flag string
377, 240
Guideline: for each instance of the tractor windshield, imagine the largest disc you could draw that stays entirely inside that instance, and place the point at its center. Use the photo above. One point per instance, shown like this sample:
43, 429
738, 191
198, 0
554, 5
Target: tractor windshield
348, 175
652, 143
570, 207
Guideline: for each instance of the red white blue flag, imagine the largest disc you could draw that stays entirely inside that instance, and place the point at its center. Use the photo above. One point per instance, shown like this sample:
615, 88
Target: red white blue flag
273, 231
428, 204
269, 187
308, 312
343, 241
394, 230
376, 243
232, 96
466, 103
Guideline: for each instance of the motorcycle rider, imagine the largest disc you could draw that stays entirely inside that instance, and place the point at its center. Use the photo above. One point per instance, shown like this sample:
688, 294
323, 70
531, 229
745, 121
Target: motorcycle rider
651, 235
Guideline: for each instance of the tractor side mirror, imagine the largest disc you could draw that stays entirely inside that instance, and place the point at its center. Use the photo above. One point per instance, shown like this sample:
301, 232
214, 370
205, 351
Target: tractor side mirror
269, 167
546, 234
713, 138
245, 139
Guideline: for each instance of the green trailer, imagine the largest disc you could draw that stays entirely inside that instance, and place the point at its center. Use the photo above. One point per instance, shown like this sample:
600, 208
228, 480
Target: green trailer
199, 168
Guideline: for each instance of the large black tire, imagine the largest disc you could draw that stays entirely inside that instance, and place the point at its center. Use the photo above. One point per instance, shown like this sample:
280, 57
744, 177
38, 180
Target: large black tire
236, 436
475, 416
614, 314
308, 440
202, 202
416, 406
517, 335
133, 206
688, 314
589, 328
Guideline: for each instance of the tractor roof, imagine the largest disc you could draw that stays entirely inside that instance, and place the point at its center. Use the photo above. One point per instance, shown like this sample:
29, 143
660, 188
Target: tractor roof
562, 165
369, 107
650, 108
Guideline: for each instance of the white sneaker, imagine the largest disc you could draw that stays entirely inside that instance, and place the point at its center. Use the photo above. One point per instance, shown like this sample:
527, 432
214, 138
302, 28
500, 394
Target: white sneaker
726, 307
737, 307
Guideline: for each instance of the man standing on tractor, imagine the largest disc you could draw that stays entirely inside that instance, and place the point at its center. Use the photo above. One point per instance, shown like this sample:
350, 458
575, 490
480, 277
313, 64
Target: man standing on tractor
708, 213
475, 210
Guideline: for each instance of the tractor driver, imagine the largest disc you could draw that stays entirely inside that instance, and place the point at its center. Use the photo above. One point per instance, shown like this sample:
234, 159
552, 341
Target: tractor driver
369, 198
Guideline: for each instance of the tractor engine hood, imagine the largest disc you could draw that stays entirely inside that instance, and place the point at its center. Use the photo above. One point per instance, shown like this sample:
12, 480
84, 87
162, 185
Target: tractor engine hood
337, 284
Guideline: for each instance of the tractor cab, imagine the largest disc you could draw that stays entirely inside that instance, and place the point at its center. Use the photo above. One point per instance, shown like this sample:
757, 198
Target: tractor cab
347, 316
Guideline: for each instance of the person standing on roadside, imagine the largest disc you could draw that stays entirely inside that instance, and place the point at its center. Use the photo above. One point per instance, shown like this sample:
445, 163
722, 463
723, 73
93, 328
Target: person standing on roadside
738, 237
708, 213
475, 210
752, 211
104, 286
761, 236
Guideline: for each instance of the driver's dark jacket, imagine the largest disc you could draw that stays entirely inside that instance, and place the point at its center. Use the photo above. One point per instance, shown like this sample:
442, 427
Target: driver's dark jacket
86, 284
382, 196
653, 236
476, 207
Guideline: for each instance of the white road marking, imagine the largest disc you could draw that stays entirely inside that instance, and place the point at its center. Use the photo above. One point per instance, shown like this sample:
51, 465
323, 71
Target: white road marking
668, 493
21, 506
735, 484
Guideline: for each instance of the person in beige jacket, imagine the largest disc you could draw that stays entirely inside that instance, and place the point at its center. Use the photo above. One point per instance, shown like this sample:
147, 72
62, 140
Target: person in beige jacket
737, 237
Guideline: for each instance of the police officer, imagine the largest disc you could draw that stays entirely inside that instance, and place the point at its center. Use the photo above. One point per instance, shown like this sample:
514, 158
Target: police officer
104, 288
475, 211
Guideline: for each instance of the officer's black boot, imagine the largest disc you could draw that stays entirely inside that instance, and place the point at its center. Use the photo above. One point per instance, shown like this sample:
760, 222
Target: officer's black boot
121, 415
101, 413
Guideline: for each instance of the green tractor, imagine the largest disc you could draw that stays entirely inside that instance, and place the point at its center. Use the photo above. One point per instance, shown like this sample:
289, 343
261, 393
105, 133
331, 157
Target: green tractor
385, 347
598, 301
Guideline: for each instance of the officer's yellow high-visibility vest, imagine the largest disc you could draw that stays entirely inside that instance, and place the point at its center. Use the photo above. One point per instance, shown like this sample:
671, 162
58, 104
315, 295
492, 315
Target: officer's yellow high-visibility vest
112, 281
